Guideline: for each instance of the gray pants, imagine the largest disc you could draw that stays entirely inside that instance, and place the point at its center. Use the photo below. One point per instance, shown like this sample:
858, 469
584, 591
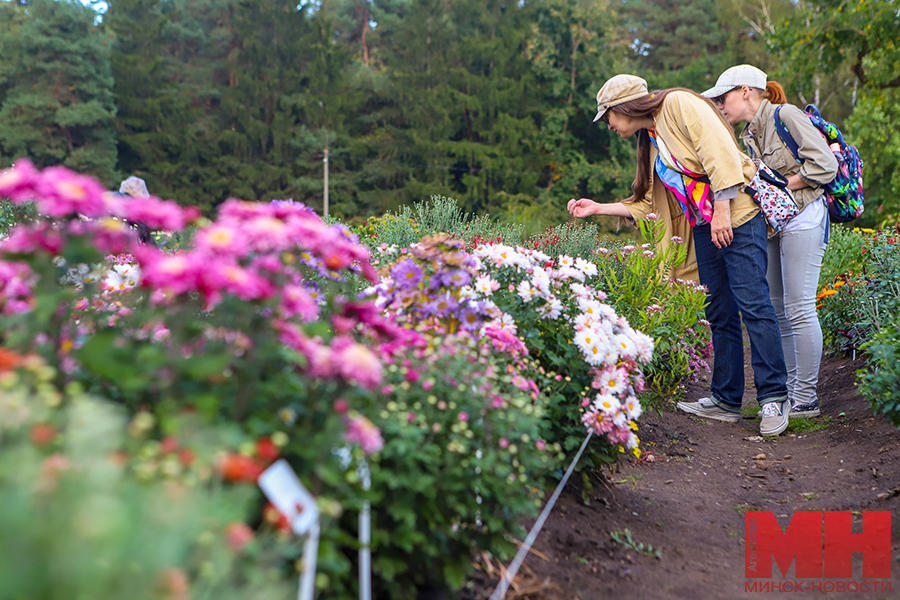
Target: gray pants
795, 259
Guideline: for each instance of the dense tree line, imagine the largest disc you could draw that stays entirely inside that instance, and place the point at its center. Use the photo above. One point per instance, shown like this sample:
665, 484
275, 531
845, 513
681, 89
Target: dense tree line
488, 101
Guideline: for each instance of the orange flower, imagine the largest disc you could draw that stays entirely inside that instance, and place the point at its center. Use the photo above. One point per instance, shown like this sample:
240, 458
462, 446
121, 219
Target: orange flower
838, 284
8, 360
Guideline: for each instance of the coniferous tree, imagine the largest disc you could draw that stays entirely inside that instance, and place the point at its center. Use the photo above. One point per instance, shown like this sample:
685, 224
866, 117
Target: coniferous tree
60, 106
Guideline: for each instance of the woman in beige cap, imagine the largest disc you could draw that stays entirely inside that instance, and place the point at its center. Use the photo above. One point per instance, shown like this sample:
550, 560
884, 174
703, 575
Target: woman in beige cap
691, 169
744, 95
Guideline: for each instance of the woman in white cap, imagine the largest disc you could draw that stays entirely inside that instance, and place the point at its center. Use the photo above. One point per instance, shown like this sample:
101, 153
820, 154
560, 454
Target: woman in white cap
691, 169
743, 95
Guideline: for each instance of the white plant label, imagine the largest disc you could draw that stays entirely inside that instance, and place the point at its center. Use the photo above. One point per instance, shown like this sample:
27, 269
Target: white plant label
283, 489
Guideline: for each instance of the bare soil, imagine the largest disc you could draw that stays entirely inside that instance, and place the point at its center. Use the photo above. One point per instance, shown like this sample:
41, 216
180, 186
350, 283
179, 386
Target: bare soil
687, 496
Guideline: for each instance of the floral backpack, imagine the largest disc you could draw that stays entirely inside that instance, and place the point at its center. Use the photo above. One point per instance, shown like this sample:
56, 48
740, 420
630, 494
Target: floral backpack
769, 189
845, 191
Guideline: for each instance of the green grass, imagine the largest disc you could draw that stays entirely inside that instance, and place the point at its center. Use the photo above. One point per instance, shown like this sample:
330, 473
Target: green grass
750, 411
745, 507
804, 425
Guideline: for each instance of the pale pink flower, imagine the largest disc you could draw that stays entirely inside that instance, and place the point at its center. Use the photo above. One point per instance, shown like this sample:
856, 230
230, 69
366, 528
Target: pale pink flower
360, 430
359, 364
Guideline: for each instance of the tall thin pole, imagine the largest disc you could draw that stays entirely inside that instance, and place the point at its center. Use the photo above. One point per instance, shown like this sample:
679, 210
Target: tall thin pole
325, 160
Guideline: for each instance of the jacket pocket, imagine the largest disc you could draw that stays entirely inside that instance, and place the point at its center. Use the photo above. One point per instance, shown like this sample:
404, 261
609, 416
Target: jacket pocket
778, 158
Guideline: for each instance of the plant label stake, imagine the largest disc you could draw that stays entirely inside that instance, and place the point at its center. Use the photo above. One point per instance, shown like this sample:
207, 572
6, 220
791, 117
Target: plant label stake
365, 536
283, 489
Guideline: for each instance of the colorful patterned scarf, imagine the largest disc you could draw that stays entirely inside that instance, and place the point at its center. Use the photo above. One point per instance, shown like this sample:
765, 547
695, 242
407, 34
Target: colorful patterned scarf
693, 191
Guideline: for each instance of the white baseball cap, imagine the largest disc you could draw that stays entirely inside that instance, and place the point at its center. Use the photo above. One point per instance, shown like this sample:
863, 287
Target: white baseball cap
736, 77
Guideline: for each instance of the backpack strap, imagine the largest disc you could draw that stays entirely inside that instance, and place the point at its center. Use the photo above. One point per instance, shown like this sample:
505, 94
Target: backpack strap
785, 135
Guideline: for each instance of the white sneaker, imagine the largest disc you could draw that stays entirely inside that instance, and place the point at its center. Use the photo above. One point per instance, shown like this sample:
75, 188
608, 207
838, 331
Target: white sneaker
775, 417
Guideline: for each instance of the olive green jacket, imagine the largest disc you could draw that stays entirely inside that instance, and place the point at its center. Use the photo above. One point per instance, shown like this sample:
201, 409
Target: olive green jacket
762, 140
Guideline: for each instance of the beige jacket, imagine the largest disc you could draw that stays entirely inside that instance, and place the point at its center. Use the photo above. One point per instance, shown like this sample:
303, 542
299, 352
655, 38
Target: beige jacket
700, 141
761, 138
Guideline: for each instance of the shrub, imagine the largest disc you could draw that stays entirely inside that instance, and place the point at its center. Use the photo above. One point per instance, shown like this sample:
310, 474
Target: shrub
578, 341
256, 329
855, 305
578, 240
879, 382
12, 214
462, 463
89, 508
671, 311
439, 215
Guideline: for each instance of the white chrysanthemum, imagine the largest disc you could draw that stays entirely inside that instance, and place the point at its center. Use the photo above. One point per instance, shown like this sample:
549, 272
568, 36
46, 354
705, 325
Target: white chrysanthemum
566, 273
610, 355
643, 345
595, 354
585, 338
541, 281
467, 292
581, 291
590, 308
491, 309
526, 291
552, 309
505, 323
586, 267
539, 256
625, 346
632, 442
632, 407
122, 277
607, 404
486, 285
613, 381
565, 261
607, 312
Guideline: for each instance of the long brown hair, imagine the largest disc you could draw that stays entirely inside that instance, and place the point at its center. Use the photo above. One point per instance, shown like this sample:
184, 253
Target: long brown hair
774, 93
648, 106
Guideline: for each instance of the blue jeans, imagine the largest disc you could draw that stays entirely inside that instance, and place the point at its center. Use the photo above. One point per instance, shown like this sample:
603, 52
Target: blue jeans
735, 278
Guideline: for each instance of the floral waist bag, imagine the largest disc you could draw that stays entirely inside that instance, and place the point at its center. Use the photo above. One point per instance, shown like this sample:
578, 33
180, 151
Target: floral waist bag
692, 190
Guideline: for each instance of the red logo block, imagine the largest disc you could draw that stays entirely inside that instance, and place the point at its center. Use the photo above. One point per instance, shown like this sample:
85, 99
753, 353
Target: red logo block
821, 547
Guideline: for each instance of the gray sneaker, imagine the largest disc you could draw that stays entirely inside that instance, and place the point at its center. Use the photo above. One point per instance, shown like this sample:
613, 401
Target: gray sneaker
774, 417
806, 409
705, 408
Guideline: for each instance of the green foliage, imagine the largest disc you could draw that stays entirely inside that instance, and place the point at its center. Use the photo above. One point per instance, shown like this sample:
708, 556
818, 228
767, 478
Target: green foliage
843, 254
81, 515
13, 214
854, 44
624, 538
462, 465
439, 215
671, 312
578, 240
856, 304
59, 105
879, 382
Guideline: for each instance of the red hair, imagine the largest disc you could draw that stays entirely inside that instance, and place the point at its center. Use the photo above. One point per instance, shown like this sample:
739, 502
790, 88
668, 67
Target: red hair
775, 93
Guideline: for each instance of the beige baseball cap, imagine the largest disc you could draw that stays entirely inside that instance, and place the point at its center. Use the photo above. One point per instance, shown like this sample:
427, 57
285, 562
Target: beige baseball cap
736, 77
619, 90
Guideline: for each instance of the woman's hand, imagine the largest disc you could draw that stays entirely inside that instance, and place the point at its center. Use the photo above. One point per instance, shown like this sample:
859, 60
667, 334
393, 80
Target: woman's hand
722, 234
586, 208
582, 208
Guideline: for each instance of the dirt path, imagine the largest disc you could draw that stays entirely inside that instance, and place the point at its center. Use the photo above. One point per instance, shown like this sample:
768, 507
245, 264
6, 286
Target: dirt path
688, 501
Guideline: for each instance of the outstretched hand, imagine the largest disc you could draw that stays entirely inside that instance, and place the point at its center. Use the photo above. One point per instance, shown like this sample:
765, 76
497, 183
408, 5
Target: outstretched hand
582, 208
